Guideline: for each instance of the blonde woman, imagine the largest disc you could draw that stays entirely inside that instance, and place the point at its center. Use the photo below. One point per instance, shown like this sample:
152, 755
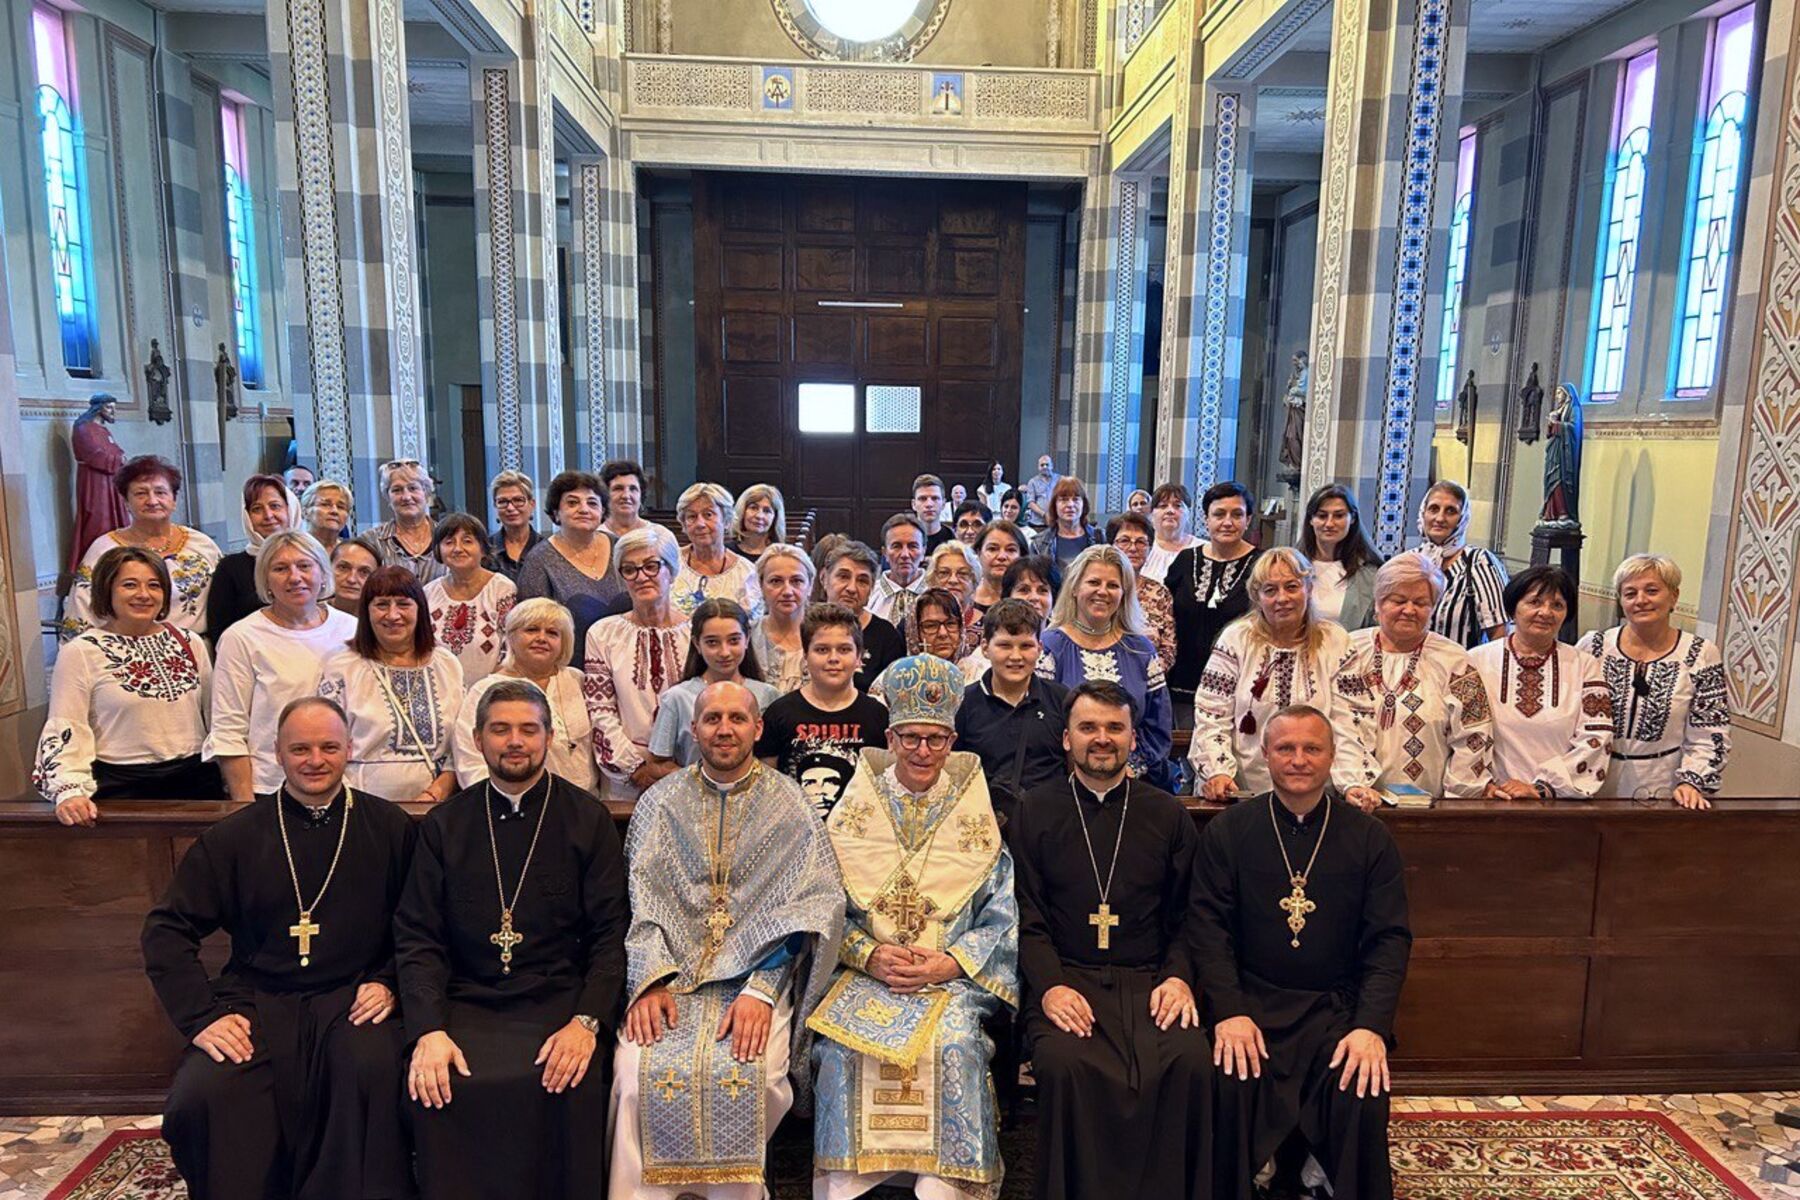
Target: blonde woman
1276, 655
1671, 723
709, 569
758, 521
540, 644
326, 510
515, 508
405, 541
786, 576
1098, 631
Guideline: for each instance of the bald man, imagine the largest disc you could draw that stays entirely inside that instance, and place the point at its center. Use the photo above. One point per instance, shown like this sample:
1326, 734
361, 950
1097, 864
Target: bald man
289, 1084
736, 917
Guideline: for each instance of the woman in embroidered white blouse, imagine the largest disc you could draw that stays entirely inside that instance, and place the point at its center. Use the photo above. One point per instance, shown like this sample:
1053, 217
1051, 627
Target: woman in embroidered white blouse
127, 700
540, 643
469, 605
401, 691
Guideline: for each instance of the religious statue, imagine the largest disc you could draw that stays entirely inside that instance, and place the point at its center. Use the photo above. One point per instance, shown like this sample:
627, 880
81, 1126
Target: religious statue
1562, 462
1293, 432
156, 383
225, 381
1465, 409
1531, 407
99, 509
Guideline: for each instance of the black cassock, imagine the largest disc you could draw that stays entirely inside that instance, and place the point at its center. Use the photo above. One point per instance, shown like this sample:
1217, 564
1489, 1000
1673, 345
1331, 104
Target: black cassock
312, 1113
1126, 1112
1345, 974
503, 1137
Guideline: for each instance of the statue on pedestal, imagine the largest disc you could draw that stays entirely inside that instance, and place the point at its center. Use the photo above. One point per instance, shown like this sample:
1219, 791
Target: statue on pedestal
1562, 462
225, 381
99, 509
1293, 432
156, 385
1531, 407
1466, 401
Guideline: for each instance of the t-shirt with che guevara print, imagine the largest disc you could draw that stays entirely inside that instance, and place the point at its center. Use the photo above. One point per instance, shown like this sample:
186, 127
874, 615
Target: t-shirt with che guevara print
818, 748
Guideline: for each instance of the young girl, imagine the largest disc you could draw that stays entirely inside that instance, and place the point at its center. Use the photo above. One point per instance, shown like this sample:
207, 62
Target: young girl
718, 652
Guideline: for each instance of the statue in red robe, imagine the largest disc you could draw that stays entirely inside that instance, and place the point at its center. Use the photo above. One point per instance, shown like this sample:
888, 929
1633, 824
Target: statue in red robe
98, 506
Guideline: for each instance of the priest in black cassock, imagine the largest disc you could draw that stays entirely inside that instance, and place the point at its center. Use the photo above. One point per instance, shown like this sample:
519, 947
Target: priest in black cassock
511, 943
1105, 863
288, 1086
1300, 942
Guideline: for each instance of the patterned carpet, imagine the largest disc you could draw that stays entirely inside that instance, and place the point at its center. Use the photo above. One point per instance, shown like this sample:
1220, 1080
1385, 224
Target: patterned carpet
1436, 1156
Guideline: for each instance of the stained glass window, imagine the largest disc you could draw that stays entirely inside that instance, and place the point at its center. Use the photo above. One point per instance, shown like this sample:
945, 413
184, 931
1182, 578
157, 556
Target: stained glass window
1621, 223
240, 233
1456, 272
69, 268
1719, 151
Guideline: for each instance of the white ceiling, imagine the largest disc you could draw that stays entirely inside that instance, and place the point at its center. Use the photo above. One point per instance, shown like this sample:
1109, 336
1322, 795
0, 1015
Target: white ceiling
1495, 26
438, 94
1290, 120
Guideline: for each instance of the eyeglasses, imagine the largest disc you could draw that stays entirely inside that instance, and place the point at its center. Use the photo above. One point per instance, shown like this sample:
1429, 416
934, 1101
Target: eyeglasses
401, 462
937, 626
1132, 543
931, 741
641, 571
512, 502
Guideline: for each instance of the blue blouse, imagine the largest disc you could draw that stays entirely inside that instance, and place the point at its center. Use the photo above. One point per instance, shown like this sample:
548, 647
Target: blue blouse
1130, 662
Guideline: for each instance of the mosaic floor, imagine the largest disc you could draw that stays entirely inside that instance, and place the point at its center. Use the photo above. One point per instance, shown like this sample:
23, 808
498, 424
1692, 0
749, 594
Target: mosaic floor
1745, 1131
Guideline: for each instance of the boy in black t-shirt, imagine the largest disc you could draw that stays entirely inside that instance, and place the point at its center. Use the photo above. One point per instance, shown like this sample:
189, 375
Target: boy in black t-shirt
815, 734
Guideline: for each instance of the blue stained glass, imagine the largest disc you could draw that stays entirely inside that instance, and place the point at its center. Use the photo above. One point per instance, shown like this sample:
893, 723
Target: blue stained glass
68, 248
1623, 216
243, 277
1456, 274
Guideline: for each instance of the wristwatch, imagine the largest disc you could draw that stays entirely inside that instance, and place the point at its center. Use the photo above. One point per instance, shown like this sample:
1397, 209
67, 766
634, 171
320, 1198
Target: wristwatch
591, 1024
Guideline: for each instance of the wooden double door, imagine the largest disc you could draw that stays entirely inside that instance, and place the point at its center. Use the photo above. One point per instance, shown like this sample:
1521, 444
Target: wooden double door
853, 333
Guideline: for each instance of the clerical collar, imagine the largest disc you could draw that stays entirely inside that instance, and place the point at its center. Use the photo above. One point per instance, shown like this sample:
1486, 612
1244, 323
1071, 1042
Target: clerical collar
306, 812
514, 802
1100, 798
727, 788
1303, 822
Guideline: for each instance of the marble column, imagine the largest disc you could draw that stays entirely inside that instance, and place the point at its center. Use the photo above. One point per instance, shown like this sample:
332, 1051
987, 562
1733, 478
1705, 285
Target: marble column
605, 311
345, 153
1109, 337
1384, 215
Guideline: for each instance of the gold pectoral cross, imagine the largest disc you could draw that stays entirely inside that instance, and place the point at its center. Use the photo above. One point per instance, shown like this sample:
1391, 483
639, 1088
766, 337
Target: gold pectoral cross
1105, 923
305, 931
506, 939
907, 907
718, 920
1296, 906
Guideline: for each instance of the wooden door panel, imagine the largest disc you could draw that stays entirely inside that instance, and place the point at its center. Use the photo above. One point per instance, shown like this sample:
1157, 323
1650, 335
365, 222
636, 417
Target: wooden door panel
825, 209
895, 270
890, 208
896, 342
825, 268
827, 466
751, 206
751, 268
968, 342
965, 211
826, 338
753, 414
965, 270
752, 337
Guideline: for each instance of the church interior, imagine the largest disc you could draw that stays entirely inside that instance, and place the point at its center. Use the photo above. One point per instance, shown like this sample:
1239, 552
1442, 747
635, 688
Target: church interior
829, 245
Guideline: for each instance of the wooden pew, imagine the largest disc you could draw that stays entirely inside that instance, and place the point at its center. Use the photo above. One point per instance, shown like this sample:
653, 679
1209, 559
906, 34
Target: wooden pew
1569, 947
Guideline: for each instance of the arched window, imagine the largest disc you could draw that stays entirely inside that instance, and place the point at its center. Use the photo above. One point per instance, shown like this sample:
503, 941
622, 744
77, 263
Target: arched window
69, 269
240, 238
1622, 218
1456, 272
1720, 148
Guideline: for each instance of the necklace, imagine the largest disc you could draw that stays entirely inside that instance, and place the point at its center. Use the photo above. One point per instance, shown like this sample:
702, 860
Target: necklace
306, 929
400, 536
1093, 631
1102, 919
1295, 904
507, 937
1409, 679
724, 851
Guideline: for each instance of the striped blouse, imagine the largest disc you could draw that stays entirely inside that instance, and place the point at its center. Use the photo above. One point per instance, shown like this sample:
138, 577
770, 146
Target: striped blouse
1473, 600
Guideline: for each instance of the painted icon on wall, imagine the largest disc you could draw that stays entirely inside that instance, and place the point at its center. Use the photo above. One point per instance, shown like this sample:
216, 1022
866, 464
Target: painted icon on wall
946, 94
778, 88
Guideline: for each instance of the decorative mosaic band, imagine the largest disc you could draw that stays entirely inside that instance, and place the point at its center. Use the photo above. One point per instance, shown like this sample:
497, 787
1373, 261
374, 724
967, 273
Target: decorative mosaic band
1119, 389
1221, 219
544, 105
397, 206
498, 127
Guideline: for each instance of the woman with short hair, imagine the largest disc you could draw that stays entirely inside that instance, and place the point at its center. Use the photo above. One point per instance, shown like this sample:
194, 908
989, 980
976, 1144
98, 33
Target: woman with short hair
1279, 653
150, 487
128, 700
353, 560
400, 691
1210, 585
1409, 710
271, 657
1097, 631
1553, 729
1070, 529
1132, 535
469, 605
1472, 609
327, 508
540, 644
1344, 562
758, 521
786, 576
405, 541
515, 510
268, 509
577, 566
623, 484
1169, 505
953, 568
1138, 503
708, 569
1671, 719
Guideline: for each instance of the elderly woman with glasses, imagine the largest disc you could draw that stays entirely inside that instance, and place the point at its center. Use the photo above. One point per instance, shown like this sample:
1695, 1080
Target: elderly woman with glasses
1098, 631
708, 569
953, 568
1671, 722
405, 541
150, 487
1130, 533
540, 644
1409, 710
631, 659
326, 510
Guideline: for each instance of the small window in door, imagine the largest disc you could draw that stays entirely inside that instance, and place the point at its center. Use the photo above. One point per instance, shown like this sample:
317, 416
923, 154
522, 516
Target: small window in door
827, 408
889, 409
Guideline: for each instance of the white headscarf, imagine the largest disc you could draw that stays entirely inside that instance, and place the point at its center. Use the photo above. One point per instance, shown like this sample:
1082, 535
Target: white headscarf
1429, 550
293, 519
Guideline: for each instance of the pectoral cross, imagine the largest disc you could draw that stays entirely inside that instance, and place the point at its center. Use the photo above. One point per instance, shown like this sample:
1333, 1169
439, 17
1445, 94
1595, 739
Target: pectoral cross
305, 931
907, 907
718, 920
506, 939
1296, 906
1105, 922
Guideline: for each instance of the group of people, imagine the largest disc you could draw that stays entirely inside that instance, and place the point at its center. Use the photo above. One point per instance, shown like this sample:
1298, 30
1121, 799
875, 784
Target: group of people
851, 770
